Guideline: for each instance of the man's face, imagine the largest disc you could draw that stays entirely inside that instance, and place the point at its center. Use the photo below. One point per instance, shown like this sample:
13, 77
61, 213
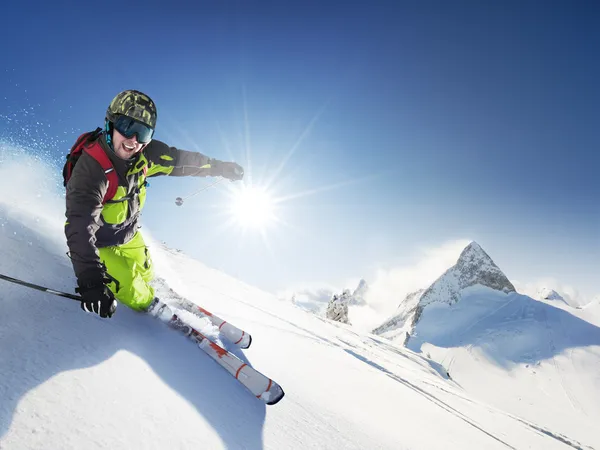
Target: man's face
126, 148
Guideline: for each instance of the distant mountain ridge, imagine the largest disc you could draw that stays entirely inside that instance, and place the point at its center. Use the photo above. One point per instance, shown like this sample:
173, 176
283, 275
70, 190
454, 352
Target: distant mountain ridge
550, 294
399, 326
359, 294
317, 300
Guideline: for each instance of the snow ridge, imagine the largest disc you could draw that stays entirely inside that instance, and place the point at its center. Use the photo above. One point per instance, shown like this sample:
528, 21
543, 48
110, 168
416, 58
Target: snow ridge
401, 323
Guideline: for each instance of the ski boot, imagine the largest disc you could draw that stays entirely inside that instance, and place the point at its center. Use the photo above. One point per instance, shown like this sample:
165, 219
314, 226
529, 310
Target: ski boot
160, 310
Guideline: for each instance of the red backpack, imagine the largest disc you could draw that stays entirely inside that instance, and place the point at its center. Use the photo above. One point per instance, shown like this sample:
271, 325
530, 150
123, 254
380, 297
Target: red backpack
88, 142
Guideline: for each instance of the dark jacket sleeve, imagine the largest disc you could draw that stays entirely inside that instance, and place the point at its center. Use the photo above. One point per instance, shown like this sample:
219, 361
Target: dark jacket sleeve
178, 163
85, 191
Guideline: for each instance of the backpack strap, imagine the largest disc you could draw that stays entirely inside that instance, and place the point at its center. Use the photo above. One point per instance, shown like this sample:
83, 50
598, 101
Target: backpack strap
75, 152
96, 152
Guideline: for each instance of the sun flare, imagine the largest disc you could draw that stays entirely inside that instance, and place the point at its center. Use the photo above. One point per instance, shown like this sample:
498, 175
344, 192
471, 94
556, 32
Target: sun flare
252, 207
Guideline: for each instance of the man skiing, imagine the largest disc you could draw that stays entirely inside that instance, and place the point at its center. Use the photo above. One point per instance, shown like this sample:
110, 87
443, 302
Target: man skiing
106, 191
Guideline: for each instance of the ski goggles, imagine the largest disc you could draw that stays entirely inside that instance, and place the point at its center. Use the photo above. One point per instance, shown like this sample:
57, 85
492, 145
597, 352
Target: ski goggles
129, 127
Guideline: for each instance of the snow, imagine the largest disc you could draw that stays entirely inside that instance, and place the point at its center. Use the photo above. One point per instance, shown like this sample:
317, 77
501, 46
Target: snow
401, 323
549, 294
71, 380
532, 353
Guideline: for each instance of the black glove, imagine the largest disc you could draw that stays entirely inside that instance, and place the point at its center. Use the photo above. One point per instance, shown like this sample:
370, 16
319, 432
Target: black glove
230, 170
97, 298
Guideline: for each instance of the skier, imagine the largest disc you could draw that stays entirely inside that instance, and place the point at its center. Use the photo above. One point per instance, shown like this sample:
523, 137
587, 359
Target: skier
109, 256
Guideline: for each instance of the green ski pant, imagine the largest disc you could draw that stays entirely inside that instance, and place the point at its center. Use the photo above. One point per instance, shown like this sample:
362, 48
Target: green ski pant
131, 266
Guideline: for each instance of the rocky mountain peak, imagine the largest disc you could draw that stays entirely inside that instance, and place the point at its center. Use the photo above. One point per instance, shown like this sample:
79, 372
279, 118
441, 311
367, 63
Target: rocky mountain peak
474, 266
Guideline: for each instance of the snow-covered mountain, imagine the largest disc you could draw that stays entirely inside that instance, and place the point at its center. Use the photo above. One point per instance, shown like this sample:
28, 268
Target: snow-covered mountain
69, 380
475, 325
530, 351
473, 267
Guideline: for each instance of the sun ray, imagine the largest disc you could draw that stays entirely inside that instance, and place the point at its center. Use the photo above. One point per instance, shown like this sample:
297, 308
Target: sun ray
325, 188
292, 150
265, 239
225, 141
255, 207
248, 144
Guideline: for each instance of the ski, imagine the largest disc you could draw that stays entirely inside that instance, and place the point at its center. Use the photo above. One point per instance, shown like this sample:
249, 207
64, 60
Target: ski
230, 332
261, 386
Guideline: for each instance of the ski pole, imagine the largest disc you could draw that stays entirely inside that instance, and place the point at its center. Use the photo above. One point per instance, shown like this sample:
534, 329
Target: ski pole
179, 200
40, 288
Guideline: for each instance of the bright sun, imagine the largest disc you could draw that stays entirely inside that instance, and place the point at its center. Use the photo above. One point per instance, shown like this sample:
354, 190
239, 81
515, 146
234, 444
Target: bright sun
252, 206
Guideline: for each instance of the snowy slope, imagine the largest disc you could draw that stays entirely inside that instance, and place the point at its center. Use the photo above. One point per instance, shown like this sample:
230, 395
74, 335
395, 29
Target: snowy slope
69, 380
531, 352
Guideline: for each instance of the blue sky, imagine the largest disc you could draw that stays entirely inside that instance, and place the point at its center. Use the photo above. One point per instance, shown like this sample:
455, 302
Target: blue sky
416, 123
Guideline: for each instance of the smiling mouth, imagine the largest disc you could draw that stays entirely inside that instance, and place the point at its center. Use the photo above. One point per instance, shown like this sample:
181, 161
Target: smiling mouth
128, 148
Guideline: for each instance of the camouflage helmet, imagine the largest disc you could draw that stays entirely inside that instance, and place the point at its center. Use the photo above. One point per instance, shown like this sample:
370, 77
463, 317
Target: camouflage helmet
134, 104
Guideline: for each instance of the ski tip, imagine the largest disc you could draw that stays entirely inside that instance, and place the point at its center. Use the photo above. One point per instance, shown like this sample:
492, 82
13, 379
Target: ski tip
278, 398
249, 342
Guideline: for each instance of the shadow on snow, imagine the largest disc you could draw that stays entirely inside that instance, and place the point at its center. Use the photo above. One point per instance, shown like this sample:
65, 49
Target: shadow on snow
518, 330
42, 336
